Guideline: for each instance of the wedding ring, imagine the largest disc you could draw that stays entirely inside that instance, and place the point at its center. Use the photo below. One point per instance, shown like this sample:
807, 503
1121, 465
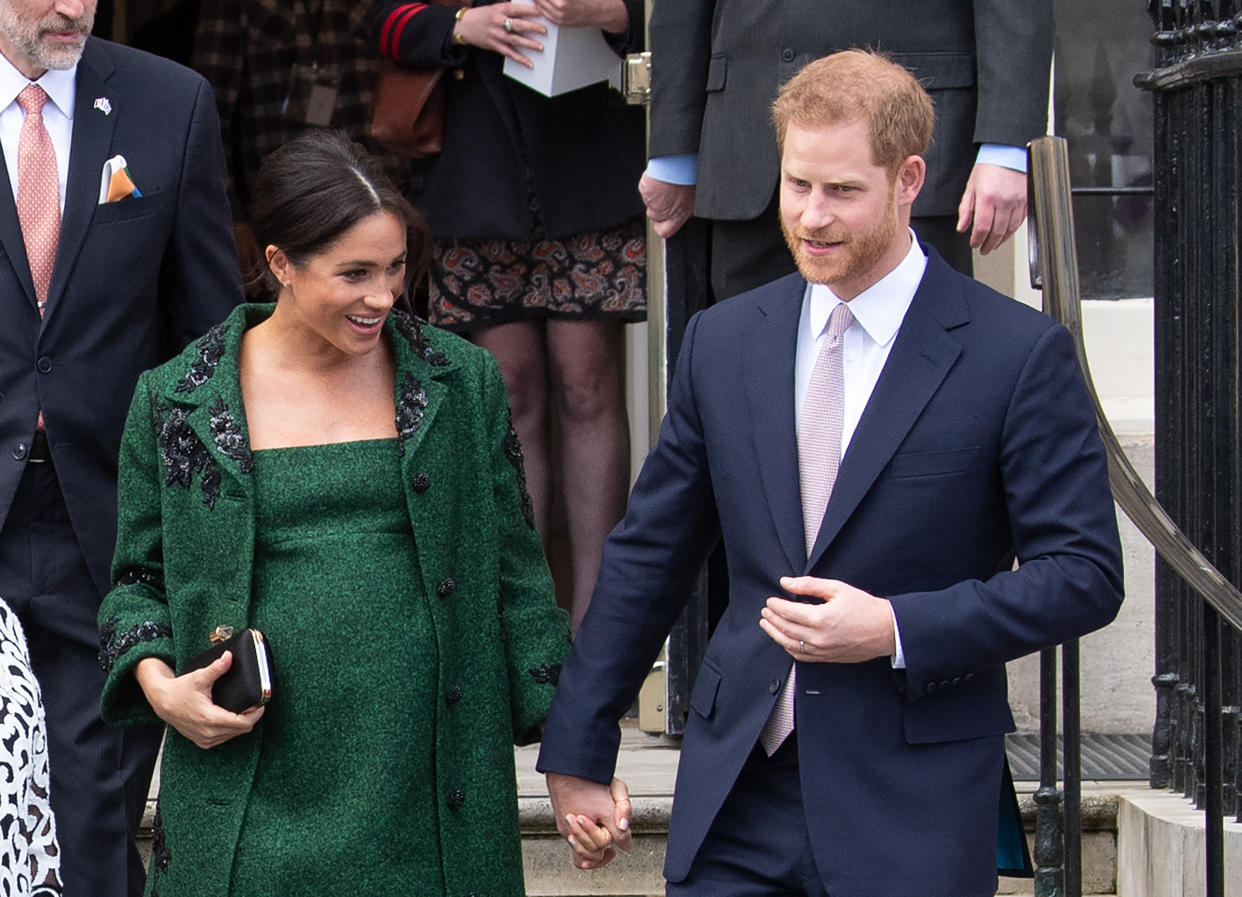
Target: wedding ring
508, 26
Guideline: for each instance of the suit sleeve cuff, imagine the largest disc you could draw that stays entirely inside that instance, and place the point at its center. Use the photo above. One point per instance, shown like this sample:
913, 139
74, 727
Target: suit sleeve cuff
681, 169
1001, 154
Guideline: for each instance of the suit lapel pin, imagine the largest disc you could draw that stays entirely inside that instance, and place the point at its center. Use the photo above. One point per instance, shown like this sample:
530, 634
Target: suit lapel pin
102, 104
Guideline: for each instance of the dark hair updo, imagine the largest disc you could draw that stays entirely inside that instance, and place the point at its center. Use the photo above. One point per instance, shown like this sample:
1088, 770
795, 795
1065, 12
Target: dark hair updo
317, 186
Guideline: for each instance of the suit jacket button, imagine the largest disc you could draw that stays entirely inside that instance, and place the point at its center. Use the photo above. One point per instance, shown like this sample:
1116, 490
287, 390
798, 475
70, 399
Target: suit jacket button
45, 365
931, 686
968, 677
456, 799
945, 683
957, 680
445, 589
19, 451
774, 686
787, 55
422, 483
453, 695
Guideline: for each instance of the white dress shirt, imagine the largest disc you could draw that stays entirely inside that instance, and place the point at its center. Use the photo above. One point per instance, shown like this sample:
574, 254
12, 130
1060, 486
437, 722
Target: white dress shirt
878, 312
61, 89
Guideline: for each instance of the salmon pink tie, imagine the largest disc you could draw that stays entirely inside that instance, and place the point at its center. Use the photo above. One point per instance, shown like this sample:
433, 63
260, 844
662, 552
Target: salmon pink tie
38, 192
819, 457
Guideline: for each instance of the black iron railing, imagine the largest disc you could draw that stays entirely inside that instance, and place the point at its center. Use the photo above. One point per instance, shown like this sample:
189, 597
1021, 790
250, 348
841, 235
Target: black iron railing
1198, 729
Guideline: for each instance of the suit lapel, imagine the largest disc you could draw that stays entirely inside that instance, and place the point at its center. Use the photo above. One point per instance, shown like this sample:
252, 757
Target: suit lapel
92, 137
770, 391
920, 359
13, 242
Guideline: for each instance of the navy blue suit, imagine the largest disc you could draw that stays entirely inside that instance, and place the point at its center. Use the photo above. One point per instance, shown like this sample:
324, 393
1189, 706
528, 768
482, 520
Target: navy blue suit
132, 282
978, 445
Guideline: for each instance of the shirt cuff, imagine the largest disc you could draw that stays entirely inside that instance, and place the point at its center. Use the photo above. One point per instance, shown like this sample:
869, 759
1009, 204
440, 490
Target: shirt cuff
899, 656
1003, 155
682, 169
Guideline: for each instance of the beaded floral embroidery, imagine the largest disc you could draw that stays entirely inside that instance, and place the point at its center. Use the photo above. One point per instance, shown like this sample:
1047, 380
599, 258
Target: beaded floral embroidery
546, 674
112, 646
410, 410
139, 574
161, 856
228, 435
210, 349
184, 455
412, 329
513, 451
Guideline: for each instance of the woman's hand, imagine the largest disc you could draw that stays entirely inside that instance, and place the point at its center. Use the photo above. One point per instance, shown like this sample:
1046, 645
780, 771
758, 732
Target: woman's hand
609, 15
184, 702
503, 28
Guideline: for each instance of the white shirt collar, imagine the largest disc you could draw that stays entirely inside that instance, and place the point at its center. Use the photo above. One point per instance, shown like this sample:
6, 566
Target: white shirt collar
59, 84
881, 307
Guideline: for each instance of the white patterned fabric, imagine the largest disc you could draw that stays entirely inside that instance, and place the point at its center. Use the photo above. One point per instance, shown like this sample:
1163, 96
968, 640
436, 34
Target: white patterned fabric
819, 457
29, 855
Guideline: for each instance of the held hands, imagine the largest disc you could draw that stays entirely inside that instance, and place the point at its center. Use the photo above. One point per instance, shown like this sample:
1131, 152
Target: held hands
995, 198
669, 206
848, 626
608, 15
184, 702
594, 818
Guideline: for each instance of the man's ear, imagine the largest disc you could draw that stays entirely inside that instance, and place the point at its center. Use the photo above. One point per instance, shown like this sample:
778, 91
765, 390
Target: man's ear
910, 176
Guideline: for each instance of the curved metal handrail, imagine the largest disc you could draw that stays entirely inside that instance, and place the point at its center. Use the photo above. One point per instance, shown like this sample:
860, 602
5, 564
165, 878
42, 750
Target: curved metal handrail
1054, 268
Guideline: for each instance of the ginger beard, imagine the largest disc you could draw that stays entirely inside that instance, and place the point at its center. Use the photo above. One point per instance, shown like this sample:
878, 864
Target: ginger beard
857, 254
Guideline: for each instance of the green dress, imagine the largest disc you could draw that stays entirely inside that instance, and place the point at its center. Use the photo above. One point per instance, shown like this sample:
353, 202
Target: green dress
336, 586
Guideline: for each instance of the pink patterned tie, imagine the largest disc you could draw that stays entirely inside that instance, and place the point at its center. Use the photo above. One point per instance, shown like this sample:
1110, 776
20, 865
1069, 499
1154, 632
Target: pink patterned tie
38, 192
819, 456
38, 195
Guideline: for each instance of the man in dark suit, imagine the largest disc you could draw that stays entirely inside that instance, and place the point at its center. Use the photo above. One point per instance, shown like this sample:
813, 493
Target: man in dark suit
97, 286
717, 64
876, 439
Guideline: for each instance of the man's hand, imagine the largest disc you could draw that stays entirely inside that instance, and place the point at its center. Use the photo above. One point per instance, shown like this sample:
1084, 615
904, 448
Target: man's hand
669, 206
594, 818
609, 15
184, 702
995, 199
849, 626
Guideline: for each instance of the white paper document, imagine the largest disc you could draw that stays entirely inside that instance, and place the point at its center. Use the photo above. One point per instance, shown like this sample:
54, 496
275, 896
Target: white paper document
571, 58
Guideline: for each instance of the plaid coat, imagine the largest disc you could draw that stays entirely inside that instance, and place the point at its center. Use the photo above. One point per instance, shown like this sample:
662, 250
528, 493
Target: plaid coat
248, 49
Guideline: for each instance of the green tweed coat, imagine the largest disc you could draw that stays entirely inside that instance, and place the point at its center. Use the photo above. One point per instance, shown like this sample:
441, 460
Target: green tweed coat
184, 561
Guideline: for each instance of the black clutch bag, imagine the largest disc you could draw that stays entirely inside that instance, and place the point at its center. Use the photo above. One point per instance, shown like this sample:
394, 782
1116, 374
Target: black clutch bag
248, 682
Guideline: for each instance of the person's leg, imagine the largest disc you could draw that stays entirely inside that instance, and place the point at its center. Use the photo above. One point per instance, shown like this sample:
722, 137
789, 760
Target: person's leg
757, 845
519, 348
586, 363
99, 774
940, 231
747, 254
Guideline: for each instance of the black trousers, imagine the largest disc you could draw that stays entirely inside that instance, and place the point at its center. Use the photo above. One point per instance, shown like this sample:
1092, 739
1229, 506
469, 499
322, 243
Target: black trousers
747, 254
100, 775
757, 845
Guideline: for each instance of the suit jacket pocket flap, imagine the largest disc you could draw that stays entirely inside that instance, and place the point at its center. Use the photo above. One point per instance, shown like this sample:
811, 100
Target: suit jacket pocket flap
926, 464
958, 715
716, 71
939, 71
703, 698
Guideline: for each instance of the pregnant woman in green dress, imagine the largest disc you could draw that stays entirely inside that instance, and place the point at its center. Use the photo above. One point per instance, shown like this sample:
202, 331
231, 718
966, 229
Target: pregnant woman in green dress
344, 478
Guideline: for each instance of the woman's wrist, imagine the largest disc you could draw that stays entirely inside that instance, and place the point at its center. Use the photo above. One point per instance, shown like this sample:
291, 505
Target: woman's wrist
459, 35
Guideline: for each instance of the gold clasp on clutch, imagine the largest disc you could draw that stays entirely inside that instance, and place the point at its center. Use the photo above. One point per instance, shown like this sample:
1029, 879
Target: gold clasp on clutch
220, 634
